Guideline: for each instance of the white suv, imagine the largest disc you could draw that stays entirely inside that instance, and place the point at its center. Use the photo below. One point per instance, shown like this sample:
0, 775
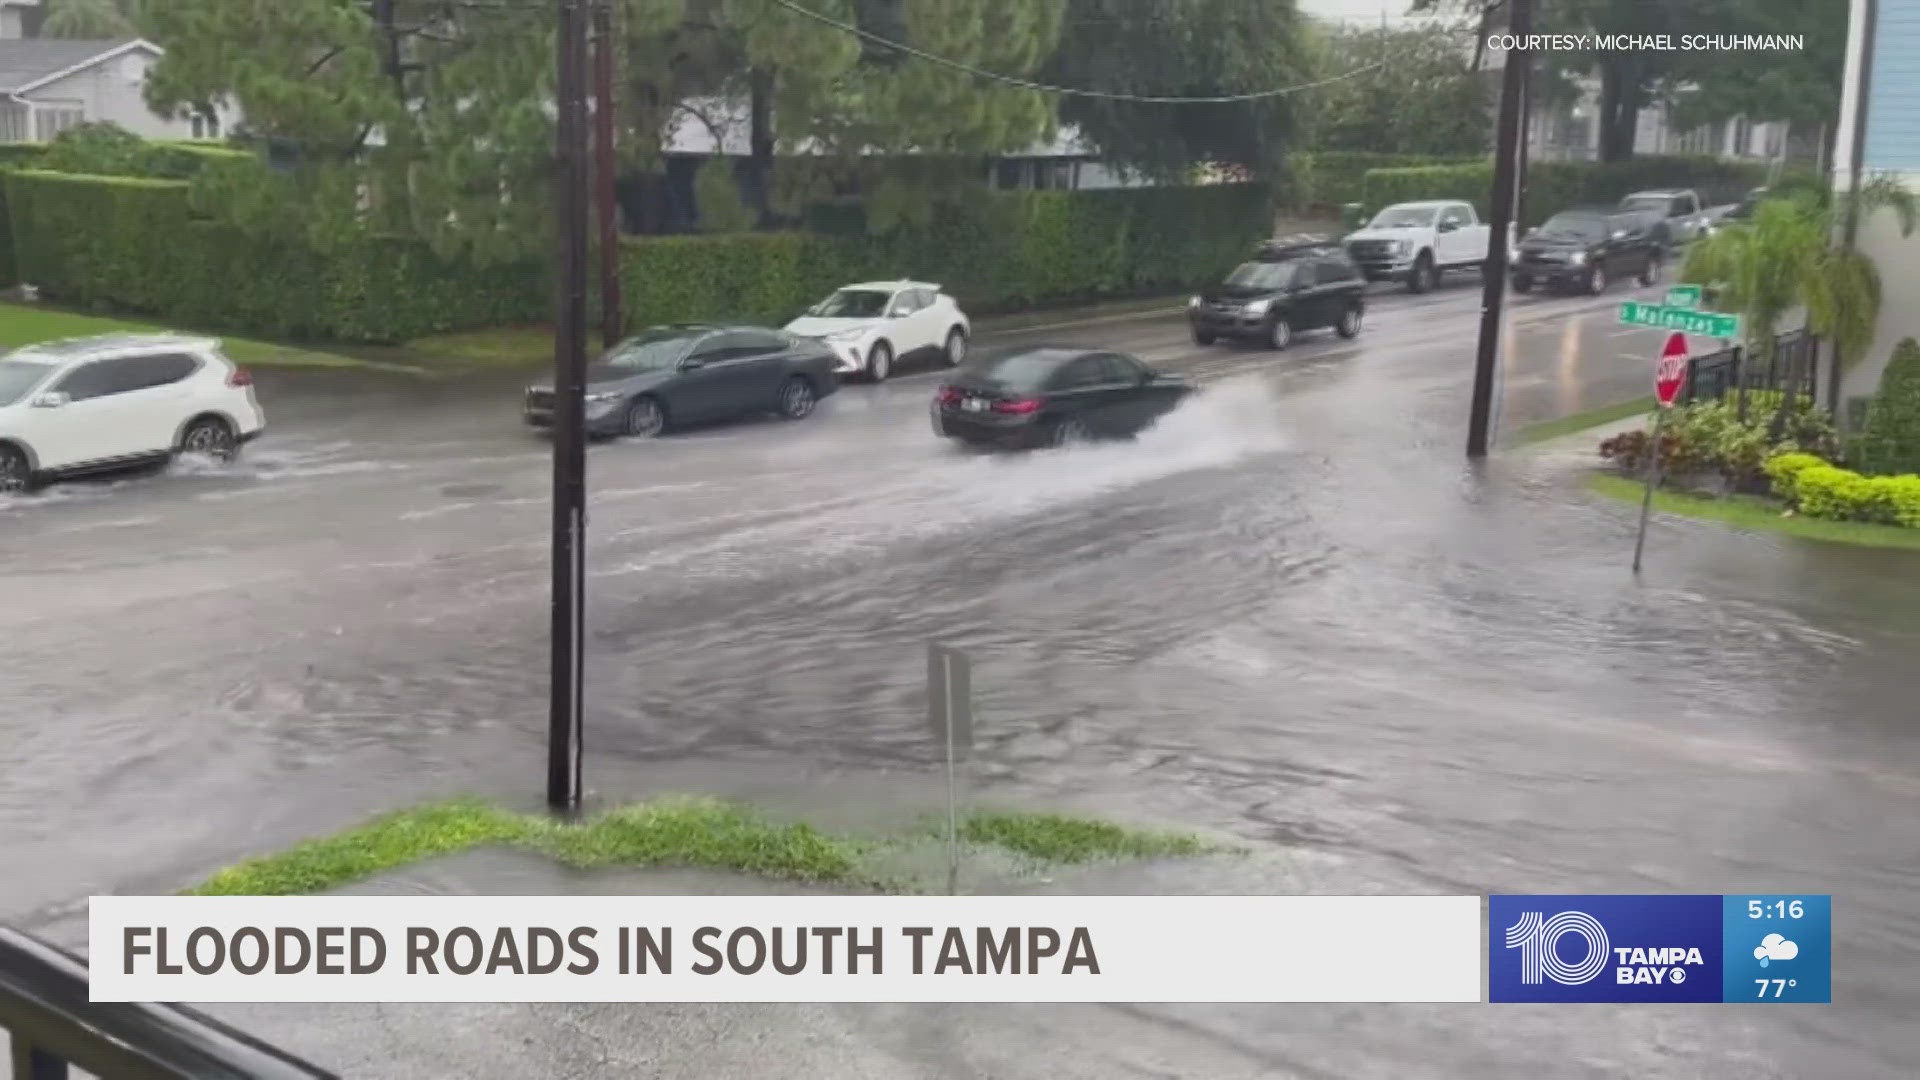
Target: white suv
871, 326
95, 404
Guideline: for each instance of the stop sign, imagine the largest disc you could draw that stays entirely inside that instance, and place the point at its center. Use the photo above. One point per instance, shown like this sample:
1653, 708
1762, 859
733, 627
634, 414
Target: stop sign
1671, 375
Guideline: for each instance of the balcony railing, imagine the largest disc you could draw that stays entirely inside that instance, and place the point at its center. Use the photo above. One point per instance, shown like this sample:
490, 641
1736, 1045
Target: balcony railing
53, 1027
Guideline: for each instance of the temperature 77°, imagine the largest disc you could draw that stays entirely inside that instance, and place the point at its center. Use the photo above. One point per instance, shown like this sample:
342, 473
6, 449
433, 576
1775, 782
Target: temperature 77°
1779, 986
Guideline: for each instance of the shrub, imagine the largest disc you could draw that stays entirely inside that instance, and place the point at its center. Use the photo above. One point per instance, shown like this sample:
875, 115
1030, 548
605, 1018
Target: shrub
1327, 178
1828, 491
1784, 468
1553, 186
1890, 442
131, 243
1902, 493
1711, 437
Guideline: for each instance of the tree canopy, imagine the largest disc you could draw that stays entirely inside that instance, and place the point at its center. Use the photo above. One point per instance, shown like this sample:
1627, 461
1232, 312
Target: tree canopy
1424, 99
1182, 48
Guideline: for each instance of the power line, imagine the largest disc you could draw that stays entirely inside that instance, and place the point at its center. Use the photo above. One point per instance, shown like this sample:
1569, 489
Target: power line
1067, 91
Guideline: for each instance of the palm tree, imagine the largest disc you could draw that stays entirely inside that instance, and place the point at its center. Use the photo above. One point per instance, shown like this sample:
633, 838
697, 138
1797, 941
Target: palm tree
1785, 258
92, 19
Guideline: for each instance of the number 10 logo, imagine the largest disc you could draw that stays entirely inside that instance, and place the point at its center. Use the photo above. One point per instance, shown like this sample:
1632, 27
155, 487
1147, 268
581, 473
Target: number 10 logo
1538, 939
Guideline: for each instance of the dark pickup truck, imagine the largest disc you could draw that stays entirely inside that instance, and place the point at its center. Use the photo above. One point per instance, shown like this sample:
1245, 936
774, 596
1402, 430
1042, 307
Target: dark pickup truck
1585, 250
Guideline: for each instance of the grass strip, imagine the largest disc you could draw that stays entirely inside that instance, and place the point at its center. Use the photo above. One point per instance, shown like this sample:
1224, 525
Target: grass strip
1757, 514
31, 324
1581, 421
704, 833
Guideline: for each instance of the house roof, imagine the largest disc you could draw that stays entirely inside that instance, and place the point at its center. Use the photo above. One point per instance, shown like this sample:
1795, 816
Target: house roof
26, 63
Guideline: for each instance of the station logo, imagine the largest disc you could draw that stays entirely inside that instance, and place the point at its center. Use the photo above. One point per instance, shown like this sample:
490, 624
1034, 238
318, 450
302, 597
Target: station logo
1604, 948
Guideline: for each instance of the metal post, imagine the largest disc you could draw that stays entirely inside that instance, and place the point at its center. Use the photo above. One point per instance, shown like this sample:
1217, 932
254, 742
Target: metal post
604, 174
1505, 165
1653, 473
953, 788
569, 443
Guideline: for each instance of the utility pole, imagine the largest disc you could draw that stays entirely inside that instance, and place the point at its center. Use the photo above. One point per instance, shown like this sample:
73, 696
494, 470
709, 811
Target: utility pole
567, 669
1505, 165
611, 327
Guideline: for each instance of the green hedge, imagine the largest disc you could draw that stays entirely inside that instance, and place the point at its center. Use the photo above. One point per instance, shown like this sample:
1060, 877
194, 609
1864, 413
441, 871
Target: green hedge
1326, 179
131, 243
1890, 440
999, 252
1553, 186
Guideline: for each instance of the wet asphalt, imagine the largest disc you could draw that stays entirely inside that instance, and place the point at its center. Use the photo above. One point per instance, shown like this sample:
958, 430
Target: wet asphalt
1291, 614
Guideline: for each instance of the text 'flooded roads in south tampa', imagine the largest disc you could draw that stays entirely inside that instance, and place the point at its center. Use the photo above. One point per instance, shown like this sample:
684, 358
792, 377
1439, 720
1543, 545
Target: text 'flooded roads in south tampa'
1287, 613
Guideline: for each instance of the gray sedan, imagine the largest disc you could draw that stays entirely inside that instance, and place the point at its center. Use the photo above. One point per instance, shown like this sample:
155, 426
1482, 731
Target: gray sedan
686, 374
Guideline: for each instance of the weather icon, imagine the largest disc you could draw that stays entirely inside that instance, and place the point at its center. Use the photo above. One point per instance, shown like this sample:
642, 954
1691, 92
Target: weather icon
1774, 947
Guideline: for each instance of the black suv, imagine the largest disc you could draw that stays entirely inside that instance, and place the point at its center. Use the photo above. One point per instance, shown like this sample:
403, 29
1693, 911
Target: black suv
1287, 287
1584, 250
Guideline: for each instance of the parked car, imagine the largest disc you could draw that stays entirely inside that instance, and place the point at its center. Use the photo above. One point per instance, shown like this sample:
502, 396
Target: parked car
1587, 249
98, 404
1286, 288
1053, 396
691, 373
871, 327
1744, 209
1417, 242
1683, 218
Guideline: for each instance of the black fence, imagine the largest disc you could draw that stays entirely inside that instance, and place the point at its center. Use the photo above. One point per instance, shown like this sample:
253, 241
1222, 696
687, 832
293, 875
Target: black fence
1733, 373
53, 1027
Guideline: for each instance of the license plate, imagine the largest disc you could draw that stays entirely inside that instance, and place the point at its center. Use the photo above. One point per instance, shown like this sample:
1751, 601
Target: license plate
974, 405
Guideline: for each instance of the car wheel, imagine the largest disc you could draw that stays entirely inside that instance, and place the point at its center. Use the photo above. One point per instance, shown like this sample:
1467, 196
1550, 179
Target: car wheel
1202, 337
956, 346
880, 362
1349, 325
1279, 333
797, 399
1423, 277
16, 472
1650, 273
210, 437
1523, 284
644, 419
1070, 432
1596, 281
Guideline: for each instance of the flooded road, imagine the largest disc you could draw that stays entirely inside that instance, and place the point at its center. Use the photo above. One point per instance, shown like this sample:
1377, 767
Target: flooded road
1291, 614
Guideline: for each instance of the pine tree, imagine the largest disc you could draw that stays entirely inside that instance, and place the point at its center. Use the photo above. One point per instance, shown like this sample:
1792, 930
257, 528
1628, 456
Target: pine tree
1891, 442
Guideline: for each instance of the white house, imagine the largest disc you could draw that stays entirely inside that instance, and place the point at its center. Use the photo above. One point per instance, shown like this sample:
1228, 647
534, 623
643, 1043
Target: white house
1879, 134
48, 85
13, 17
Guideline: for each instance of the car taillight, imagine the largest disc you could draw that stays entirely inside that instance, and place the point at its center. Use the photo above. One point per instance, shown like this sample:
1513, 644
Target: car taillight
240, 377
1018, 406
949, 395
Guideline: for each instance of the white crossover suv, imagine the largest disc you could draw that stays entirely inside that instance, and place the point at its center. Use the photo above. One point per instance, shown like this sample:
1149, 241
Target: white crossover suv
873, 326
87, 405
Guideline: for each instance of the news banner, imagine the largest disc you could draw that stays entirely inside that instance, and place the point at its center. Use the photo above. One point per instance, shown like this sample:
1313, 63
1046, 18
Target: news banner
1774, 948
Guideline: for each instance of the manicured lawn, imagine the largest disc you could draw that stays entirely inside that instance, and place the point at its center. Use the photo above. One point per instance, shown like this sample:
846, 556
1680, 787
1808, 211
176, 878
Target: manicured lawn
1748, 512
1568, 425
30, 324
506, 347
667, 832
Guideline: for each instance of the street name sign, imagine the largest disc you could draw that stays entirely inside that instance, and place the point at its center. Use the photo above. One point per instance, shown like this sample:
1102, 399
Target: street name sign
1684, 296
1686, 320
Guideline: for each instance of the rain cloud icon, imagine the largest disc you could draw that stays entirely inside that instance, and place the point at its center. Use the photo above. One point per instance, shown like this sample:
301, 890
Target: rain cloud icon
1774, 947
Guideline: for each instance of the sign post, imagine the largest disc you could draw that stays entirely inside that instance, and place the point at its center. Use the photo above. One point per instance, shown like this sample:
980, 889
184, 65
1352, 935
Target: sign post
1669, 376
950, 711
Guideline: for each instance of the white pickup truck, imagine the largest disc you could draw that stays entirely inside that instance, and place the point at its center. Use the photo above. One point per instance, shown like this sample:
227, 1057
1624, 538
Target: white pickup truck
1416, 242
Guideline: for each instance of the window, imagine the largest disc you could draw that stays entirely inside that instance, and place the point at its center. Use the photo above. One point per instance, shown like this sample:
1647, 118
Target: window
89, 380
756, 343
1454, 215
1332, 272
1122, 369
50, 120
1082, 373
144, 372
206, 125
13, 122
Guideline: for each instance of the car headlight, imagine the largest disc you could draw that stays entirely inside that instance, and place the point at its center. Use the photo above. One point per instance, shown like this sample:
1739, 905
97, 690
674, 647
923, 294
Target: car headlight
1577, 258
1513, 255
1193, 302
1259, 307
1402, 247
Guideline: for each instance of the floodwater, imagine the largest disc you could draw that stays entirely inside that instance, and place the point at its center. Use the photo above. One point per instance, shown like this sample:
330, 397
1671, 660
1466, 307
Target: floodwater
1291, 614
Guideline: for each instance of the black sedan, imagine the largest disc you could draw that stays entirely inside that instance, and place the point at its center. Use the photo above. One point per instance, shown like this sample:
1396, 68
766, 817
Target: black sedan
671, 375
1053, 396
